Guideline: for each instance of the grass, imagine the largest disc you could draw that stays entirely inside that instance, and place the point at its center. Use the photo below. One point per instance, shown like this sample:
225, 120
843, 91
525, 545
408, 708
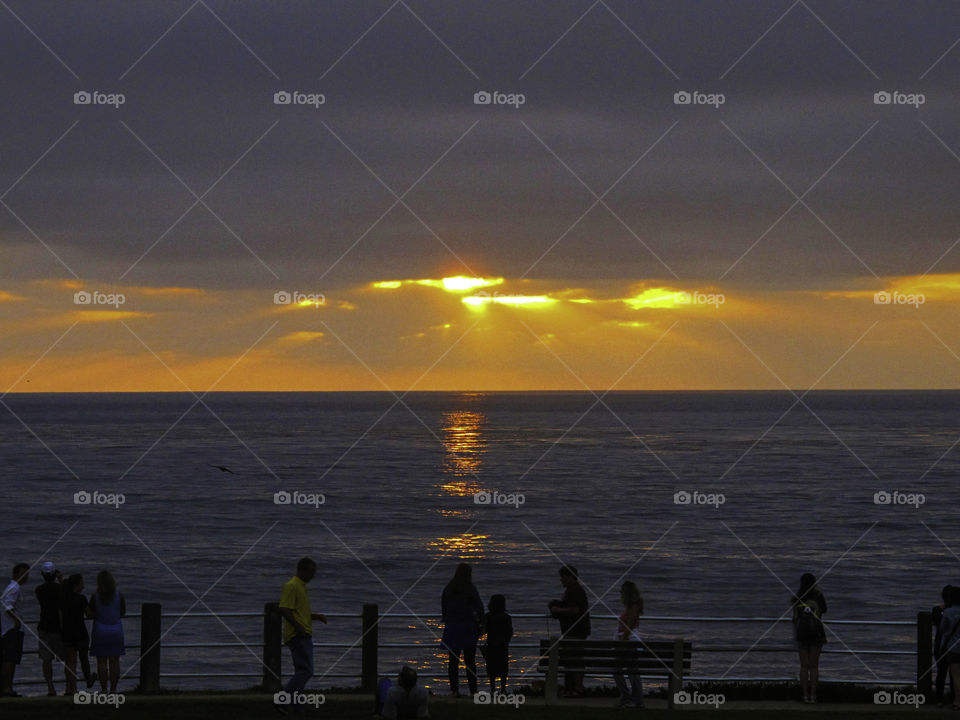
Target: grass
188, 706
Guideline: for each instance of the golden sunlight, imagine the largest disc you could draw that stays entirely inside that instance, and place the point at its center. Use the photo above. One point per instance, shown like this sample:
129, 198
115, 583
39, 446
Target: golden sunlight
477, 301
457, 283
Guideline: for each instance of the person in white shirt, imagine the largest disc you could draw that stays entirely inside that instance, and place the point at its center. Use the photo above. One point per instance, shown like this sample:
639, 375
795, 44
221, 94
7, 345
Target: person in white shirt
11, 628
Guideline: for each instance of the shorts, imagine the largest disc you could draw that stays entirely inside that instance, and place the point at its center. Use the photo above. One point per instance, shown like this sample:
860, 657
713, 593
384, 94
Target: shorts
11, 646
49, 645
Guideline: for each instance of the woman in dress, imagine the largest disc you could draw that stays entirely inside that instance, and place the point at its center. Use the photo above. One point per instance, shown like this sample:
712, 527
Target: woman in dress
107, 607
628, 629
462, 611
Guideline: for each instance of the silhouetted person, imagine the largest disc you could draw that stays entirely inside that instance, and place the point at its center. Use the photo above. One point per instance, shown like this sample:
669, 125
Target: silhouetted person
406, 701
49, 645
107, 607
628, 628
298, 625
462, 611
573, 612
11, 628
499, 627
809, 607
950, 641
76, 640
936, 615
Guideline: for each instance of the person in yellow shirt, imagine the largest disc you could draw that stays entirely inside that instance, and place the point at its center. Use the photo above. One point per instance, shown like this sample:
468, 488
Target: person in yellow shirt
298, 624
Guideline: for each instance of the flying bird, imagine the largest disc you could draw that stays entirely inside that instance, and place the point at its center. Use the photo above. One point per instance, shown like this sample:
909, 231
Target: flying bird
221, 468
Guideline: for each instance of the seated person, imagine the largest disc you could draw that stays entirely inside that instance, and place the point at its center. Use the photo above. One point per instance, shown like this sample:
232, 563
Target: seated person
406, 701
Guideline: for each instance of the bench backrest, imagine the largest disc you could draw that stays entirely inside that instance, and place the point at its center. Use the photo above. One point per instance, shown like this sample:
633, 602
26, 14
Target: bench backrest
654, 657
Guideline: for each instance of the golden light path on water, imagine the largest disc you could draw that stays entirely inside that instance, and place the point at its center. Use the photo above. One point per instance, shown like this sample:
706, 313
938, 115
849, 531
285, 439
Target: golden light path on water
463, 437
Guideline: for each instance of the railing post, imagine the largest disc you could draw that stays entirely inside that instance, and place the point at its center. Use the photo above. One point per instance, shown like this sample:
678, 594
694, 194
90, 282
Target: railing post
272, 636
676, 677
925, 663
370, 643
550, 686
150, 648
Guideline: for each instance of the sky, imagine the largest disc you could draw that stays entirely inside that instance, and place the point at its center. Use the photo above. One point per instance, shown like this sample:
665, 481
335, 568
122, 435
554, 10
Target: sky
659, 195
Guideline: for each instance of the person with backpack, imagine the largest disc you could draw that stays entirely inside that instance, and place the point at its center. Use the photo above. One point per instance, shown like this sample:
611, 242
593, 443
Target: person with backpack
809, 607
404, 700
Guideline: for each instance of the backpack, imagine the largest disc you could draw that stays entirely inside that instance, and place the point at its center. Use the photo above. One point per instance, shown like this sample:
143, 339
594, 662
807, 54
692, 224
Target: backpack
809, 625
383, 687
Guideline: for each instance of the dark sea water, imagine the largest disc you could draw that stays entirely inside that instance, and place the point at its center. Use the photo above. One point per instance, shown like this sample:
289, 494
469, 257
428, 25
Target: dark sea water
598, 481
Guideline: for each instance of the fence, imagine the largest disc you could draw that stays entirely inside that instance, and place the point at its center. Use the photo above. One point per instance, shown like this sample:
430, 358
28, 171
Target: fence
268, 651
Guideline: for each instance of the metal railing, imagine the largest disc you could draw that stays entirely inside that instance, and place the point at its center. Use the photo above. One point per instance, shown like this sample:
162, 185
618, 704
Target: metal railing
369, 644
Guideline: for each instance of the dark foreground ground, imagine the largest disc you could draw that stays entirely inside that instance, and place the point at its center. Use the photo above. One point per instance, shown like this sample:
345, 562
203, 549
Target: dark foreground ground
345, 707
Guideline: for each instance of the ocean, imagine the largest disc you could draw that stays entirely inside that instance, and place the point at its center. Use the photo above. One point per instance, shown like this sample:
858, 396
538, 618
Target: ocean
713, 502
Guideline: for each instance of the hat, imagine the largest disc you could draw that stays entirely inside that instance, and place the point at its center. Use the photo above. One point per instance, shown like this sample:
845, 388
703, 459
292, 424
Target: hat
48, 568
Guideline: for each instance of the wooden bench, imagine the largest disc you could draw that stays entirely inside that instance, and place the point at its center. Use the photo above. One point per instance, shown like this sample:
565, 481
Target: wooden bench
670, 658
